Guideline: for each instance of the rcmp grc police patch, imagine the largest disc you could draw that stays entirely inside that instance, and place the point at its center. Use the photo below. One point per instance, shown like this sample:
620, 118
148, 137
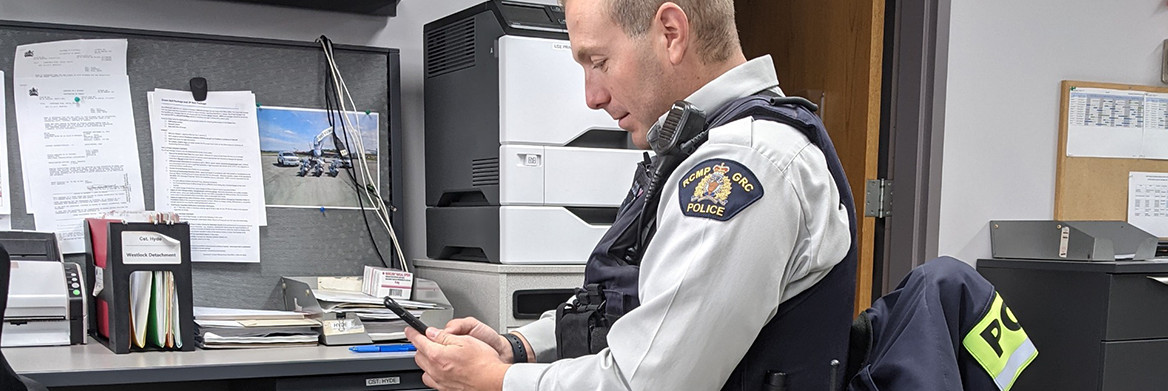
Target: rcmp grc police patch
718, 189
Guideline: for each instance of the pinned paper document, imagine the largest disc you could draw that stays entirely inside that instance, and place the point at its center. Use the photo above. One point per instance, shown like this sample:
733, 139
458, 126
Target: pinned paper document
75, 124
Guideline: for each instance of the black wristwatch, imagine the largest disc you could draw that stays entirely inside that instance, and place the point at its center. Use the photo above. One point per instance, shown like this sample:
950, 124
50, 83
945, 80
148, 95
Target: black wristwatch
518, 353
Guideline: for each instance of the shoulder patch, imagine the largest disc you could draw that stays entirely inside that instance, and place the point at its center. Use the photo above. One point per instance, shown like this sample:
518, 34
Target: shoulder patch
718, 189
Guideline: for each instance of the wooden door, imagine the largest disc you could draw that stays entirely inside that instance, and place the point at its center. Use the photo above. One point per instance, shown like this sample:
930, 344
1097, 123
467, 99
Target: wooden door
831, 52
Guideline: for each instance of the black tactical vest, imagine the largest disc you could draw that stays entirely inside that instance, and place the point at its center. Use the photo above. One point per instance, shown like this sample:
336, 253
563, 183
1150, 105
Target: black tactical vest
810, 330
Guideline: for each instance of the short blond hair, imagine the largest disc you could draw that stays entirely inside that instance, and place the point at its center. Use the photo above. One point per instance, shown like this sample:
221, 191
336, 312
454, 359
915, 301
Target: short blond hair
711, 23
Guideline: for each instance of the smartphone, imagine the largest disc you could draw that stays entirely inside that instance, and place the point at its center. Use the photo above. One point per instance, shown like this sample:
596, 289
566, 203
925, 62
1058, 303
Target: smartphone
405, 315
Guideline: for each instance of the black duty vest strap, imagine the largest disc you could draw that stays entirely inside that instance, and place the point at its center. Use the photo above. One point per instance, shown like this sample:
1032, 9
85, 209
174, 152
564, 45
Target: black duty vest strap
809, 331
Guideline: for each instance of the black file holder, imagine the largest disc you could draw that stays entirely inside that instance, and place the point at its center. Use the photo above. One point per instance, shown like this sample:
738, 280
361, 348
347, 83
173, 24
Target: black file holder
116, 280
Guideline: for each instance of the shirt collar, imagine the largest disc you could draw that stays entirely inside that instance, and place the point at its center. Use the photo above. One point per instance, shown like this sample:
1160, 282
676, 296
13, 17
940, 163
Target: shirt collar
750, 78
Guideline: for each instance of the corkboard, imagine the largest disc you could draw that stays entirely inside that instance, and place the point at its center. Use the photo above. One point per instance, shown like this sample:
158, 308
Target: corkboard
1089, 188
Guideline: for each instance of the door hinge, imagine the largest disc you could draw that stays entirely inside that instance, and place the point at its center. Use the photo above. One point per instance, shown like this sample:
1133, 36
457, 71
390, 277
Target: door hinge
878, 198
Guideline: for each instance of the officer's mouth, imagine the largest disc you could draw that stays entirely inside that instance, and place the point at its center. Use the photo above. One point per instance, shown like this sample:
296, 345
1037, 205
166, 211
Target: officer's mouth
624, 122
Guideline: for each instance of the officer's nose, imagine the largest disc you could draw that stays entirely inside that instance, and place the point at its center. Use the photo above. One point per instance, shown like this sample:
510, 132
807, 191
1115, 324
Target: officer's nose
595, 95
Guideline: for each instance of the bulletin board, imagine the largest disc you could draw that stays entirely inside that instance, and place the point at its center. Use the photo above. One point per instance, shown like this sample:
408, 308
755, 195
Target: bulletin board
1092, 188
296, 241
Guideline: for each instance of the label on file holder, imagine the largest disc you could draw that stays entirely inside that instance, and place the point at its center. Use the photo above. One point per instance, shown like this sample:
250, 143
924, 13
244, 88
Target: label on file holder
98, 280
332, 327
146, 248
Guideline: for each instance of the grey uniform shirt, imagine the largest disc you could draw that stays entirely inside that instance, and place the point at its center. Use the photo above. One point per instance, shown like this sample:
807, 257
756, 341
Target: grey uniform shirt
707, 287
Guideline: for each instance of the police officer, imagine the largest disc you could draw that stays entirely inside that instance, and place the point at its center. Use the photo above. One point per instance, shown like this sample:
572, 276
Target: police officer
751, 219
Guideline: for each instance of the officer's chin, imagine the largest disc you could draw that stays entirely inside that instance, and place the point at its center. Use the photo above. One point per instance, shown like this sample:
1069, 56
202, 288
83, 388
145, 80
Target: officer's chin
640, 138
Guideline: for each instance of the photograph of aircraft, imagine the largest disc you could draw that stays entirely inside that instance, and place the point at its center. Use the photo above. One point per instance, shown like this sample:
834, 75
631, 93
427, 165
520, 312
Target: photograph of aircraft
302, 165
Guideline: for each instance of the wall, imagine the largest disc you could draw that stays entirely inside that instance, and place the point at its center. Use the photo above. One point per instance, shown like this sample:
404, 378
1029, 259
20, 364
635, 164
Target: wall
1006, 59
223, 18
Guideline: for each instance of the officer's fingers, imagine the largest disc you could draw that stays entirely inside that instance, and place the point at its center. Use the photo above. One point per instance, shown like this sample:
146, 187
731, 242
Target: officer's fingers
477, 329
441, 336
411, 334
419, 341
422, 342
424, 362
462, 326
428, 351
429, 380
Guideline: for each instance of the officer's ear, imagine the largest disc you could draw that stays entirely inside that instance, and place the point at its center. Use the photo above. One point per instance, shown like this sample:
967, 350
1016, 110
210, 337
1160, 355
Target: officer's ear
674, 31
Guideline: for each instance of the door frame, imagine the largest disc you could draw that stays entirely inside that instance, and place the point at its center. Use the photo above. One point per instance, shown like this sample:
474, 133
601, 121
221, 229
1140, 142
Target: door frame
912, 135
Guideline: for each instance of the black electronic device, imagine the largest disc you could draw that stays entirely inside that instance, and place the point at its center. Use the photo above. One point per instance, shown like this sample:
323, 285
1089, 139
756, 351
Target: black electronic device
405, 315
683, 124
31, 245
674, 139
75, 284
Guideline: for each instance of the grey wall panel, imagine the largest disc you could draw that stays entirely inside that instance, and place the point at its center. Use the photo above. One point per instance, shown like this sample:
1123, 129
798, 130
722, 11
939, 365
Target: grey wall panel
297, 241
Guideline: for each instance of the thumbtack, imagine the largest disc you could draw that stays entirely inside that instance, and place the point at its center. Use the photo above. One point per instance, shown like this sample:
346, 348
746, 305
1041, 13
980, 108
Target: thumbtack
77, 99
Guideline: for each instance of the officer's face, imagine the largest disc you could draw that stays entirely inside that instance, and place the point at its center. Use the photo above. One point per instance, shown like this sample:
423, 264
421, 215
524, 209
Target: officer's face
623, 75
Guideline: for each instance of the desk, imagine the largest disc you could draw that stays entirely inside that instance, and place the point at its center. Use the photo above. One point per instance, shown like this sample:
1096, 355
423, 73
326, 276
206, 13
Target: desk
93, 367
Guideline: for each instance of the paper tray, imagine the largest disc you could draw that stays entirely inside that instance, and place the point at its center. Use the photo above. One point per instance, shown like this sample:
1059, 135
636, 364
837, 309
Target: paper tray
298, 296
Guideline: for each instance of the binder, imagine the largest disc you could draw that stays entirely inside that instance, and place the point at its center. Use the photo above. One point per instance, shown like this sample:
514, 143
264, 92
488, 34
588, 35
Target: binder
112, 262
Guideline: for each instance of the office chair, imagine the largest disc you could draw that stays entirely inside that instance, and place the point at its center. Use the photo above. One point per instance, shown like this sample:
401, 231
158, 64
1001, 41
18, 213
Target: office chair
9, 379
931, 332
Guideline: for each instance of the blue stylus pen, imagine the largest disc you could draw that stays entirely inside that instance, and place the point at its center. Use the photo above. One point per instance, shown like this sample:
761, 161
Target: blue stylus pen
398, 347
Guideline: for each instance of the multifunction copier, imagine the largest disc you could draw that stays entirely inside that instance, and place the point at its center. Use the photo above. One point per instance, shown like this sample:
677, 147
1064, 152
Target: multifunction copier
518, 169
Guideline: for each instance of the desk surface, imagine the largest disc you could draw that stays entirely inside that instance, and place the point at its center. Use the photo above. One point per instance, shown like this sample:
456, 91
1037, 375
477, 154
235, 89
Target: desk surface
94, 364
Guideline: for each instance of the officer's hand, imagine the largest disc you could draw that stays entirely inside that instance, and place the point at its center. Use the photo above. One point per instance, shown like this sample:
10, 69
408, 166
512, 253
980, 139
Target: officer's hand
472, 327
456, 362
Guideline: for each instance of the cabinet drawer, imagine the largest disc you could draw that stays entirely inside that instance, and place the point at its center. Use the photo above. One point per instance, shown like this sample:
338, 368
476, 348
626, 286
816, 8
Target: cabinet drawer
1134, 365
411, 380
1137, 308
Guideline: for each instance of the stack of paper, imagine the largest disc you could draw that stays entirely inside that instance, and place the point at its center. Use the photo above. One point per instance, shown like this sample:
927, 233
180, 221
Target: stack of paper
238, 328
380, 323
154, 315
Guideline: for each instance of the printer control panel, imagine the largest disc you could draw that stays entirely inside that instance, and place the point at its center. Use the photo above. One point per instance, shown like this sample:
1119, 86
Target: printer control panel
73, 279
533, 16
75, 287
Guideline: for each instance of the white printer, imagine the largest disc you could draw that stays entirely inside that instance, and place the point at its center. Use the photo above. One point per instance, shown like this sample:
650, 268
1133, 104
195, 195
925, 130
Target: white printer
518, 169
45, 295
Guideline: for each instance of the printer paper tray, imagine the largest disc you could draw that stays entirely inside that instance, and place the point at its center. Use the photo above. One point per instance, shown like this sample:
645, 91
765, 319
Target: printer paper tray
35, 333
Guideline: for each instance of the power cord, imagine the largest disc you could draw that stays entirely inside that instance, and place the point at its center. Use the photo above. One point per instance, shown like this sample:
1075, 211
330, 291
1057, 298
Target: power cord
367, 184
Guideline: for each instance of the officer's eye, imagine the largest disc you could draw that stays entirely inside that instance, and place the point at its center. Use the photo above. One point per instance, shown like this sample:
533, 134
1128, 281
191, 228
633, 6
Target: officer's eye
601, 65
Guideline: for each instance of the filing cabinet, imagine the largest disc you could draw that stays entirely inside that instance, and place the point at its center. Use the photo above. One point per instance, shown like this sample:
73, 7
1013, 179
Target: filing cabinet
1097, 325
